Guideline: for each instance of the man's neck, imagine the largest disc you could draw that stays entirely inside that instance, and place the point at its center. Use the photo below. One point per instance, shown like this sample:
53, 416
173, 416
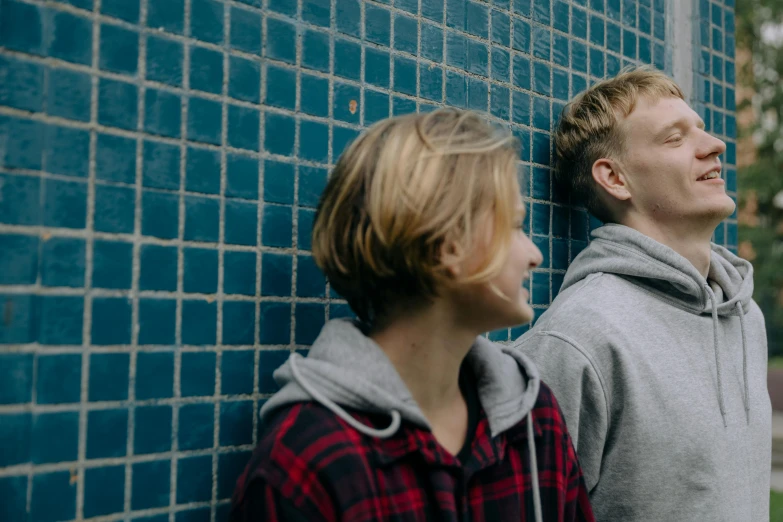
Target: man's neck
691, 242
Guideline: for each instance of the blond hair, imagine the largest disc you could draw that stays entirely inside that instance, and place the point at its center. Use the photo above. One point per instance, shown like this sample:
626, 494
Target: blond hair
589, 129
399, 192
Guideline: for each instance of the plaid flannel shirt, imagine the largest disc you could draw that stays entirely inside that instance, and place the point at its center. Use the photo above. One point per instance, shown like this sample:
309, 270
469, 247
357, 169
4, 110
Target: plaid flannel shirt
311, 466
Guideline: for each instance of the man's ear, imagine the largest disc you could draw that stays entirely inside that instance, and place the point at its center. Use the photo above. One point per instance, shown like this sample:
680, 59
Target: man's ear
609, 176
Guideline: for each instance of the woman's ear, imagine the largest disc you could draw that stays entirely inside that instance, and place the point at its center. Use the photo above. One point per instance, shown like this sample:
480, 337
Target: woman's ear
452, 257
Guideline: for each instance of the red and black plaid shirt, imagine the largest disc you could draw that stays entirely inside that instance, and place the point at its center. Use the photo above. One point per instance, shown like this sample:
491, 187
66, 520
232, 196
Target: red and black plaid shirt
311, 466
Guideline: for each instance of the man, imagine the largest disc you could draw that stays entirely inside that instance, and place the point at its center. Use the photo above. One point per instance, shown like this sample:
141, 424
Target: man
408, 413
654, 347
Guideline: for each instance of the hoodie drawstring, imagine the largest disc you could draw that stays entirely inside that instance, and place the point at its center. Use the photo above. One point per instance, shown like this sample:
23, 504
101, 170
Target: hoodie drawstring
744, 360
711, 296
337, 410
531, 446
741, 311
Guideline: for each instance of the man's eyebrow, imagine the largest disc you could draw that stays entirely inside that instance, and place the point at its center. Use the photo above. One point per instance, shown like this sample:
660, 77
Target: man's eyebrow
678, 123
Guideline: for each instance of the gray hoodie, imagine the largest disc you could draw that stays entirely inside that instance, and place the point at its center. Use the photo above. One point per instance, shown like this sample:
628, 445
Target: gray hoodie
661, 375
346, 369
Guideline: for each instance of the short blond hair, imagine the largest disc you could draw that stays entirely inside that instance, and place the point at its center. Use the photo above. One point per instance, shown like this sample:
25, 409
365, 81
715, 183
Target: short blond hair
589, 129
402, 189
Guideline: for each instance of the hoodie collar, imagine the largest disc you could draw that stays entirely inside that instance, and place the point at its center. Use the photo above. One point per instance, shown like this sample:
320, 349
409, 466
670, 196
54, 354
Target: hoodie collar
350, 370
621, 250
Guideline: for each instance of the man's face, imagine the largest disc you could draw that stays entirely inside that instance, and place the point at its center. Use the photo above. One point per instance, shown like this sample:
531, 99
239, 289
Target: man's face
672, 165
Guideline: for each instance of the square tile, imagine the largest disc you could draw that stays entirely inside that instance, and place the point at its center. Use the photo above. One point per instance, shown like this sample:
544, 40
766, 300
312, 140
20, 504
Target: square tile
109, 375
22, 199
111, 321
200, 271
53, 496
203, 14
67, 151
349, 17
244, 79
406, 34
243, 127
160, 214
202, 170
281, 40
237, 369
199, 322
316, 12
115, 158
117, 104
269, 361
16, 431
310, 318
14, 490
119, 49
168, 15
274, 326
21, 28
69, 36
164, 58
239, 273
65, 204
197, 374
315, 50
245, 30
107, 433
47, 449
241, 176
276, 224
114, 209
160, 165
19, 265
60, 323
281, 141
238, 326
154, 375
314, 141
16, 378
236, 423
196, 426
22, 326
202, 219
151, 484
163, 113
104, 491
194, 479
376, 107
230, 467
314, 95
62, 260
376, 67
127, 11
241, 223
205, 120
58, 378
157, 321
206, 70
152, 431
24, 143
276, 273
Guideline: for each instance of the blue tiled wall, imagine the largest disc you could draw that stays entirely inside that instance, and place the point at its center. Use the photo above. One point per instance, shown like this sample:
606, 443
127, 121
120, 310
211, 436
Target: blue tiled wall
160, 161
715, 74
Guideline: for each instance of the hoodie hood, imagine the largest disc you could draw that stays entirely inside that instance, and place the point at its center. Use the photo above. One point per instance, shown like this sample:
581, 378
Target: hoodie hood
346, 369
727, 291
621, 250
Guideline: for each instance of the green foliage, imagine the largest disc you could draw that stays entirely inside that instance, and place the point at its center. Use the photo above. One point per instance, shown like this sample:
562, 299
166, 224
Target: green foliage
762, 182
